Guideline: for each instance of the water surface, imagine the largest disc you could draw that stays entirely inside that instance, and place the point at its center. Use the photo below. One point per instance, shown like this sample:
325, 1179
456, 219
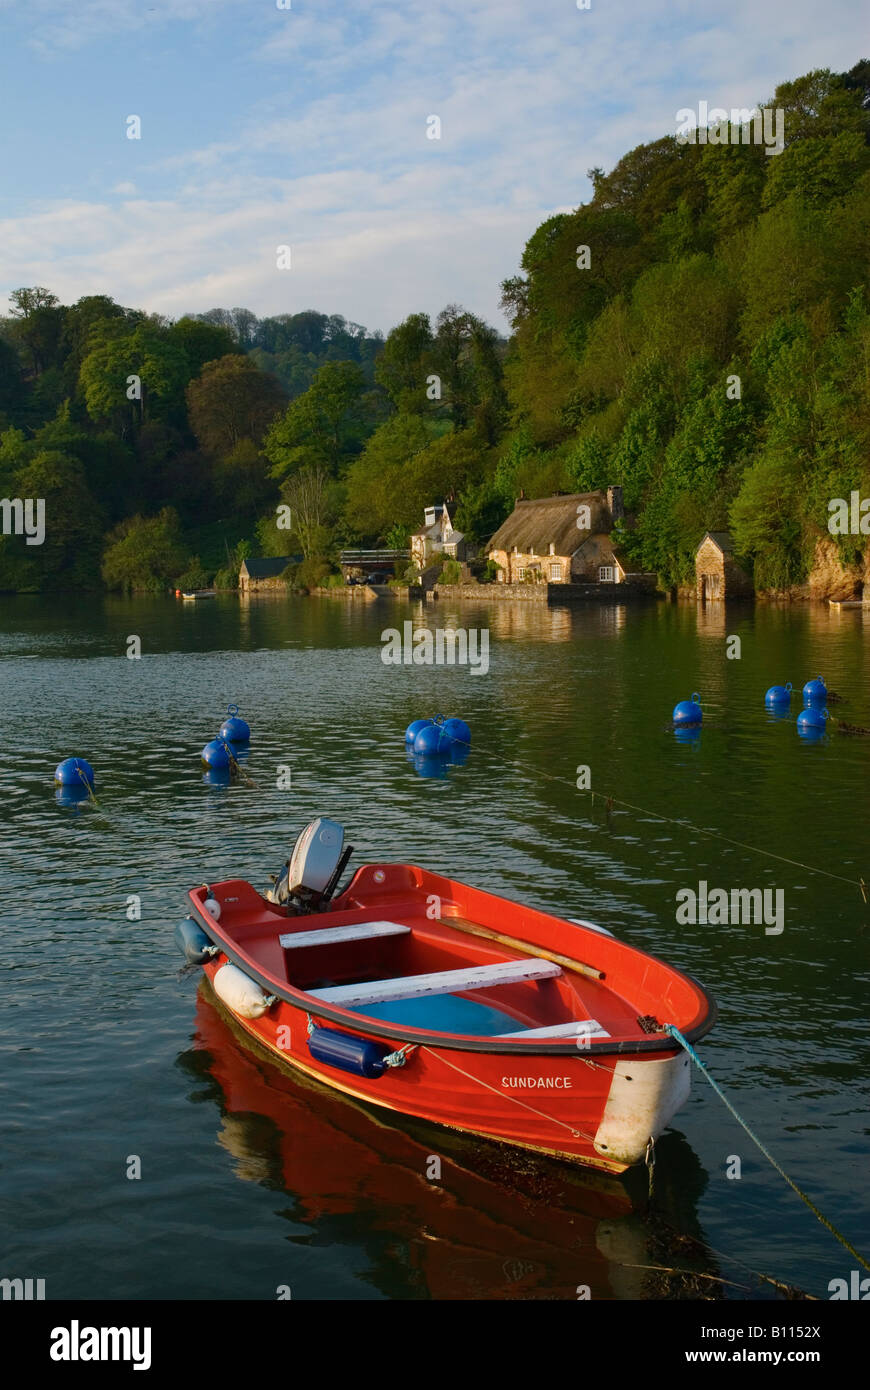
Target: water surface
253, 1179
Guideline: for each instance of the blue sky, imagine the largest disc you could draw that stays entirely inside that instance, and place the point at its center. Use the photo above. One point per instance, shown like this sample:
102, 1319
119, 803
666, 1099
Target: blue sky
307, 127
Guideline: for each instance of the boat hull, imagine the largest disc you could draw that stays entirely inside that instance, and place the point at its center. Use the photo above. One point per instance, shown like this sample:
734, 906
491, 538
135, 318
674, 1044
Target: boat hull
597, 1112
530, 1080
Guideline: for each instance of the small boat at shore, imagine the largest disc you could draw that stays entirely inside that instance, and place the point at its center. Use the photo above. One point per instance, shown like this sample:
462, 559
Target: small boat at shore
192, 595
415, 992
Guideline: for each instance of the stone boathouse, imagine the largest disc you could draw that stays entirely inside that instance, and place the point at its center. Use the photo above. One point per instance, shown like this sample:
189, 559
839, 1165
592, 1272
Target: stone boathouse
263, 573
717, 573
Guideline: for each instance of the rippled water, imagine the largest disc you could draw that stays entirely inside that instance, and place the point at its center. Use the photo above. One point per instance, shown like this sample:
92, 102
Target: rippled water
253, 1179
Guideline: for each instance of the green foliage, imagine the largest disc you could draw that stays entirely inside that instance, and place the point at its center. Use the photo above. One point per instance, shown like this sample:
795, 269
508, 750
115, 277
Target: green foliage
232, 401
195, 576
317, 428
451, 572
68, 557
145, 553
146, 353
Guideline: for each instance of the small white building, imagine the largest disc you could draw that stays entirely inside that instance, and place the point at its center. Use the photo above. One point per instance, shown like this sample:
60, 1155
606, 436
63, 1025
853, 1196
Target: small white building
437, 538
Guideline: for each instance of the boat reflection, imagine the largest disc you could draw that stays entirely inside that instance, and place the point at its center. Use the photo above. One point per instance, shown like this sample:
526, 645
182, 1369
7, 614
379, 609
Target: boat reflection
493, 1223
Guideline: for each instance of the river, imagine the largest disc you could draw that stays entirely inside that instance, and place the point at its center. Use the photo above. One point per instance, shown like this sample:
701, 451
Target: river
251, 1180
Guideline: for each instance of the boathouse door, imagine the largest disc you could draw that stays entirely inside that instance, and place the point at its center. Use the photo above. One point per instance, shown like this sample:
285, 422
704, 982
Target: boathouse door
712, 586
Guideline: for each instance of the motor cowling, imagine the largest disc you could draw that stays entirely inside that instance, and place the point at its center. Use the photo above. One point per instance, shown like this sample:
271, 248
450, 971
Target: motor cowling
311, 872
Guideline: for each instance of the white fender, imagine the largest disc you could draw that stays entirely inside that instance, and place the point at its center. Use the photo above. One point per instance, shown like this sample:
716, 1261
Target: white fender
644, 1096
593, 926
239, 992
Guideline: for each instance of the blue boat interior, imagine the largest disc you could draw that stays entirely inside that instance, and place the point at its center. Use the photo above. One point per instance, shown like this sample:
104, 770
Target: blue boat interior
445, 1013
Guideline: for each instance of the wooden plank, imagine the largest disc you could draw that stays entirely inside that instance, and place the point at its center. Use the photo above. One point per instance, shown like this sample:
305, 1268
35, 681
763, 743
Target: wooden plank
567, 963
328, 936
507, 972
577, 1028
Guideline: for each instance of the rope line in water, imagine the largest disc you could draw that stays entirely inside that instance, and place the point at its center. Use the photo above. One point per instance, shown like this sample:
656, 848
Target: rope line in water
673, 820
675, 1033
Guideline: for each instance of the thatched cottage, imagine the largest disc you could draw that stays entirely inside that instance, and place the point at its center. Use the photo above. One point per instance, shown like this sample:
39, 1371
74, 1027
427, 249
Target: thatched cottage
561, 540
437, 538
717, 573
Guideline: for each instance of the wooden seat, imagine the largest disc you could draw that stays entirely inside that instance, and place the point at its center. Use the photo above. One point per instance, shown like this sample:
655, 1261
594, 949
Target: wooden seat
333, 936
509, 972
577, 1028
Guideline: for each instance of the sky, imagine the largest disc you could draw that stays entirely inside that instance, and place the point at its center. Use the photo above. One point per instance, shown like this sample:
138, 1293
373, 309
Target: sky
306, 127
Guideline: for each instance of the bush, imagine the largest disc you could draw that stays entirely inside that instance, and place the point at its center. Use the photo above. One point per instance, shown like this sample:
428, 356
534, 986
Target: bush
313, 573
485, 571
144, 553
195, 576
451, 572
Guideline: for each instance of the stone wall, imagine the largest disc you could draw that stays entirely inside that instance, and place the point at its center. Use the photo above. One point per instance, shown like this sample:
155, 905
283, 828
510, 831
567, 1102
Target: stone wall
543, 593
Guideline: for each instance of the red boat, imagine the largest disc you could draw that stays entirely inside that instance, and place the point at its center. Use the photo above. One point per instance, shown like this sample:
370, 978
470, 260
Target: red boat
420, 994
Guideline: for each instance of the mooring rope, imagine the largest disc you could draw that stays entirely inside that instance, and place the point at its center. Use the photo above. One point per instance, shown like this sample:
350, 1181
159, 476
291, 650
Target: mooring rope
87, 786
675, 1033
611, 801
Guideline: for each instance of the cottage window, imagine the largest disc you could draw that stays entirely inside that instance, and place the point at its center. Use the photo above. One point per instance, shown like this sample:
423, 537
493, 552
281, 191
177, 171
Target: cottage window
556, 573
521, 574
606, 574
552, 548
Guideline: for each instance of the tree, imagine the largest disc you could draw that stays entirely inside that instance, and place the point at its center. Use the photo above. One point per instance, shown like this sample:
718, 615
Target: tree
38, 325
315, 428
405, 363
12, 389
306, 493
68, 557
146, 353
232, 400
201, 342
377, 481
145, 553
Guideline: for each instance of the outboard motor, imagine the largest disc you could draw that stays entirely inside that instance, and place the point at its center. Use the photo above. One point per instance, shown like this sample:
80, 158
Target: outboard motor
311, 874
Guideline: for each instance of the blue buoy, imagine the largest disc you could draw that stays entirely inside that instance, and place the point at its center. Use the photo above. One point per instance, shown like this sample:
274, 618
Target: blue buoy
815, 692
778, 695
216, 754
74, 772
233, 729
414, 728
811, 722
458, 731
688, 711
432, 740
